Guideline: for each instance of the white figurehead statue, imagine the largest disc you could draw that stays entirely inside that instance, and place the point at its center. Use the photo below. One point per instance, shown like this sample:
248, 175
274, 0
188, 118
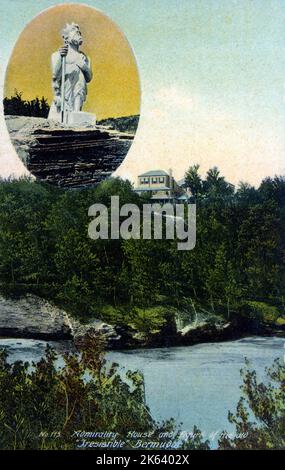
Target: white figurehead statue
71, 71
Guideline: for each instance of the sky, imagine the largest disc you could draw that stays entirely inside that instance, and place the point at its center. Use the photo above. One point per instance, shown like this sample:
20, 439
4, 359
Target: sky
212, 80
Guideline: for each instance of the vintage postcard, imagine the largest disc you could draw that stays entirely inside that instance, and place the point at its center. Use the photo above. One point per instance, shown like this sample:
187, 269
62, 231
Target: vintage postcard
142, 221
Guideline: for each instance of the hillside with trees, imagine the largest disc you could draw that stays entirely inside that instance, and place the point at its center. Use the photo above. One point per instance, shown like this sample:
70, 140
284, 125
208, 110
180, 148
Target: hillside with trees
236, 270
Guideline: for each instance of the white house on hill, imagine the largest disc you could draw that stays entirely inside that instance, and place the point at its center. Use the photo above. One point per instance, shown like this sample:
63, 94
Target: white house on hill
160, 185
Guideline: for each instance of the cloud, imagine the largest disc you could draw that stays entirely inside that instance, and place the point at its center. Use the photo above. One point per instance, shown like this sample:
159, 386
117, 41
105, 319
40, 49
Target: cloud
175, 98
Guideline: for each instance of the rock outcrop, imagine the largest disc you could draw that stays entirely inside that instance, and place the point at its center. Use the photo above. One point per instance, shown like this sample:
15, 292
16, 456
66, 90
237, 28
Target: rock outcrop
207, 332
108, 332
67, 157
32, 317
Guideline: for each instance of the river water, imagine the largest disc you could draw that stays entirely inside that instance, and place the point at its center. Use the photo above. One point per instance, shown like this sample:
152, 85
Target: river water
194, 384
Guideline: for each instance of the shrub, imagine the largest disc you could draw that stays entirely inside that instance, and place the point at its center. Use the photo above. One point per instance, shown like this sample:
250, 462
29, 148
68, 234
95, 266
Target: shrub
260, 414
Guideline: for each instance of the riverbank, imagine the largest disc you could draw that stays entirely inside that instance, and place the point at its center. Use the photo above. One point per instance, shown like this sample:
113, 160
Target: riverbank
31, 317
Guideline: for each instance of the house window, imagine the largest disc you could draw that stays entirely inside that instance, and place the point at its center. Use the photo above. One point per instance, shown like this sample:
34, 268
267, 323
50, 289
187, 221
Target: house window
144, 180
161, 179
154, 180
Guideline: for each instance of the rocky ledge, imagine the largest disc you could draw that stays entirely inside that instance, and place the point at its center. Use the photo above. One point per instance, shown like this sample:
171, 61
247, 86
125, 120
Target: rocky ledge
67, 157
34, 318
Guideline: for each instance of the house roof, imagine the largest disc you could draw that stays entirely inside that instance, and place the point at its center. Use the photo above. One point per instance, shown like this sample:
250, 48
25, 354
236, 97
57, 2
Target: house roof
154, 173
181, 182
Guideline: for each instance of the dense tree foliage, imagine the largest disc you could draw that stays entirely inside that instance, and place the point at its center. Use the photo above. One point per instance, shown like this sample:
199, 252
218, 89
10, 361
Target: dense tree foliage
238, 258
214, 185
17, 106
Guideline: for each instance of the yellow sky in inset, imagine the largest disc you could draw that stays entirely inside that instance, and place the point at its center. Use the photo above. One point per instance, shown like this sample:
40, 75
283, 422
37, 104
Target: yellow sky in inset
115, 88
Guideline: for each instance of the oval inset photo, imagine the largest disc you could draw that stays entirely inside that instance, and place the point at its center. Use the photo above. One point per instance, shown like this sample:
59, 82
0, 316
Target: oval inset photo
72, 96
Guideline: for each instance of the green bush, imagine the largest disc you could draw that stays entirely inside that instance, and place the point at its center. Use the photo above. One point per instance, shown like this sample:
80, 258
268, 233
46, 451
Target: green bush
149, 321
260, 415
262, 311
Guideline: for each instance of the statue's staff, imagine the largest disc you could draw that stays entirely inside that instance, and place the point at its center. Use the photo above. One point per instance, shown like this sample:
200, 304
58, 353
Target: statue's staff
62, 101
